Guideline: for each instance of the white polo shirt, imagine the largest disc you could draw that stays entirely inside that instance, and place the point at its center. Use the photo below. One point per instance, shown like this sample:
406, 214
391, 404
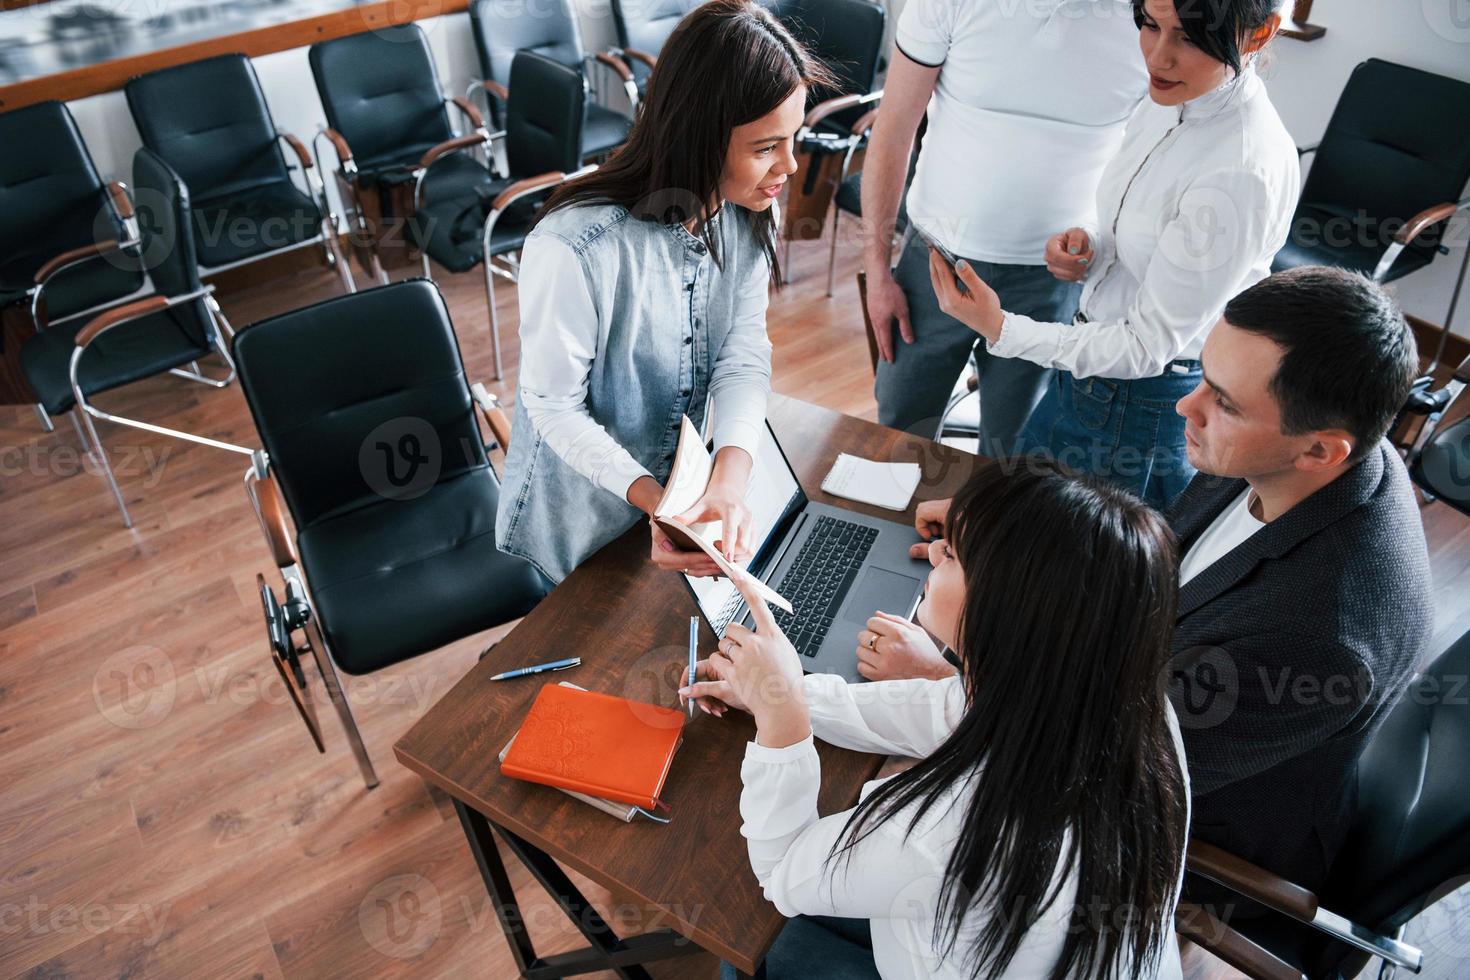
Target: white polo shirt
1030, 105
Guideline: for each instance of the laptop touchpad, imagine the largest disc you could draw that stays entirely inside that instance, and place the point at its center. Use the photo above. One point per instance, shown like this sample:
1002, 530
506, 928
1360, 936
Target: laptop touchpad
879, 589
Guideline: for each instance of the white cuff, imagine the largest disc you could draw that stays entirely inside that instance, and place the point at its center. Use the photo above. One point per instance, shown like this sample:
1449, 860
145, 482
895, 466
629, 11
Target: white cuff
793, 753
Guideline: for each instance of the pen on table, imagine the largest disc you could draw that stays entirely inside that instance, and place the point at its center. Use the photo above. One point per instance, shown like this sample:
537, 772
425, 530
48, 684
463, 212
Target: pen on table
693, 653
539, 668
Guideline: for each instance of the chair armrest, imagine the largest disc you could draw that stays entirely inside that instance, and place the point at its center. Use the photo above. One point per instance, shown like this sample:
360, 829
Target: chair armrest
118, 314
529, 185
618, 65
470, 112
1417, 225
1251, 881
297, 147
339, 143
450, 145
864, 123
272, 510
824, 109
68, 258
1203, 928
122, 202
642, 56
496, 89
495, 416
1462, 373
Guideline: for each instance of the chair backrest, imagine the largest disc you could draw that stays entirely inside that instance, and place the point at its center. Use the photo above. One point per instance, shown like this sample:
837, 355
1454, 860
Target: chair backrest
50, 194
1411, 831
1442, 465
381, 92
543, 123
503, 27
209, 121
324, 425
845, 35
646, 24
1397, 143
163, 205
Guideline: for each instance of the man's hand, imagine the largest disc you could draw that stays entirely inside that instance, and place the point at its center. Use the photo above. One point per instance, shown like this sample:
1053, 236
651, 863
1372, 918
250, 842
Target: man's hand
893, 648
1069, 255
978, 307
929, 522
887, 304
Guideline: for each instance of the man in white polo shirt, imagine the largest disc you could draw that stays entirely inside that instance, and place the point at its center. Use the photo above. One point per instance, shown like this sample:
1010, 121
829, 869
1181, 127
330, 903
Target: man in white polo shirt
1026, 102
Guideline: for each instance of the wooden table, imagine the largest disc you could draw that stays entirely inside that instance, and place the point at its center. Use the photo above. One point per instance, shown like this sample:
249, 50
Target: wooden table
629, 624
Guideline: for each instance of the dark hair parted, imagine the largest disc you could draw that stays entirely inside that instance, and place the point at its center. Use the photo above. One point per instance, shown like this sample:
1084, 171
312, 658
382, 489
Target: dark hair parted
1218, 27
1065, 746
728, 63
1348, 358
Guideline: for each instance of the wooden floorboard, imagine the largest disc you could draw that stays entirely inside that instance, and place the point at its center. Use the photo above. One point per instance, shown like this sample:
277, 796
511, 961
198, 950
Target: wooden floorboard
162, 812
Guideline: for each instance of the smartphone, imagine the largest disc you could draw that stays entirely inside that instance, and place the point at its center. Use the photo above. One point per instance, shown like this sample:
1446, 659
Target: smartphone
949, 257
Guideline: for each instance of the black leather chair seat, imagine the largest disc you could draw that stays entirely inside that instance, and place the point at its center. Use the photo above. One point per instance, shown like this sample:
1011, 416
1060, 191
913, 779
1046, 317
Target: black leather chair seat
603, 129
1322, 237
1444, 465
252, 222
378, 571
449, 230
456, 173
78, 288
127, 353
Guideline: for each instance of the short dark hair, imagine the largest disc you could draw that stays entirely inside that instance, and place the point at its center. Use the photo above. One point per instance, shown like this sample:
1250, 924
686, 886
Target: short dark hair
1218, 27
1348, 357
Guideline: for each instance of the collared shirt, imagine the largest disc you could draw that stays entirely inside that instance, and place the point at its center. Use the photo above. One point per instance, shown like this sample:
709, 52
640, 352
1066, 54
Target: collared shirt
1191, 211
1029, 105
895, 875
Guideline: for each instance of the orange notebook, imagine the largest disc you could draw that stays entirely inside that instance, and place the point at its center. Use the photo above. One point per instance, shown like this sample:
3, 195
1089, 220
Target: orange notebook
596, 744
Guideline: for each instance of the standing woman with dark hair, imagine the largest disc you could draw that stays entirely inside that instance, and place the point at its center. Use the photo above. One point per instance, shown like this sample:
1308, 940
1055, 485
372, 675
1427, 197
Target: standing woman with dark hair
1042, 832
1191, 211
643, 293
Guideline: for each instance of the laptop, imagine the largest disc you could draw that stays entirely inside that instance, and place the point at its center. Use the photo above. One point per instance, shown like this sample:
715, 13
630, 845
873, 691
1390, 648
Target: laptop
835, 566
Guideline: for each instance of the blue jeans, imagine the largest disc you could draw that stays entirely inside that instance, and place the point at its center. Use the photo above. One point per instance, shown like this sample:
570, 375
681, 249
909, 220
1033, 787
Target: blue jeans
913, 390
811, 947
1123, 431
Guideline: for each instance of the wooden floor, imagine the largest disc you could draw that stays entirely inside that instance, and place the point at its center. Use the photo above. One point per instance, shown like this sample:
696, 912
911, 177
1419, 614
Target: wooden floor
162, 812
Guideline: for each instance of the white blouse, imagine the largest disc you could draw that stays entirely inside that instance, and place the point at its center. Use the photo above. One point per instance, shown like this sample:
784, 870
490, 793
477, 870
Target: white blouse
1191, 211
892, 878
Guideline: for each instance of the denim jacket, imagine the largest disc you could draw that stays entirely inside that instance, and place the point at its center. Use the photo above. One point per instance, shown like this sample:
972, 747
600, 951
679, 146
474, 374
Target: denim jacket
673, 332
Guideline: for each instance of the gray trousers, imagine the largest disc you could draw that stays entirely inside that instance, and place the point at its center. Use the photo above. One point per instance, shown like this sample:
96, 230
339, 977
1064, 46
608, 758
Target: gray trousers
913, 390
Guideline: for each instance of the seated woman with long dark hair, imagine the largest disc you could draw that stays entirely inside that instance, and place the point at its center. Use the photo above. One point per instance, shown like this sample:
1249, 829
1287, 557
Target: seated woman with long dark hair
1042, 832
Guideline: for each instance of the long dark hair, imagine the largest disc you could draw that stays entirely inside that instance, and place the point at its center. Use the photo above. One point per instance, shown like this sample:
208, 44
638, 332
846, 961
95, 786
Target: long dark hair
728, 63
1218, 27
1070, 596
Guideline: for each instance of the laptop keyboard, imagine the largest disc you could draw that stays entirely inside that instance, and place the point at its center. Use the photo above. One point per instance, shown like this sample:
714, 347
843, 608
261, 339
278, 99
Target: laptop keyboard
817, 582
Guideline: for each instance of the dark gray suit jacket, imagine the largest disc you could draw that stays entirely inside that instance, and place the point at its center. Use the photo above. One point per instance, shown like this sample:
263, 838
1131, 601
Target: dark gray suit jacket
1290, 650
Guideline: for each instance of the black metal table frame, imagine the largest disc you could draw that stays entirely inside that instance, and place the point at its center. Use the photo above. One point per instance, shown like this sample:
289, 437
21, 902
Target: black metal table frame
606, 950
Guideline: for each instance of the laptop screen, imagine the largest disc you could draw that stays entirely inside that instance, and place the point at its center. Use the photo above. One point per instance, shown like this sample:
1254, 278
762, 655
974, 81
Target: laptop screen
775, 497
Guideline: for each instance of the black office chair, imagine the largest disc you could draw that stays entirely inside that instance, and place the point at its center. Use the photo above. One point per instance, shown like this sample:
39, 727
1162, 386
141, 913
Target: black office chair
209, 121
387, 121
490, 218
1408, 846
643, 27
68, 242
1439, 458
501, 28
1386, 178
178, 325
384, 473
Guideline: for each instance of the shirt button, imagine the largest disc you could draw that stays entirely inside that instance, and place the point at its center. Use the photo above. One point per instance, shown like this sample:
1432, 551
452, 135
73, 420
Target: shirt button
689, 340
699, 249
684, 392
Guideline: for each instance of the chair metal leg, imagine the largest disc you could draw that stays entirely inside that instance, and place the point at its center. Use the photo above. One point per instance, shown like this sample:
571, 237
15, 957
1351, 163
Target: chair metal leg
335, 256
46, 424
94, 446
832, 257
333, 684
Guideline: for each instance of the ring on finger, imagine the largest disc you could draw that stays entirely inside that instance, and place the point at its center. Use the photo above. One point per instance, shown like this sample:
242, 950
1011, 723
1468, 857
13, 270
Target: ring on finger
873, 642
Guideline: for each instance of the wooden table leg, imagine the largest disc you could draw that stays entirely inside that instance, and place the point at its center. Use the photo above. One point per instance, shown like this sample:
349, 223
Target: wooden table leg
606, 952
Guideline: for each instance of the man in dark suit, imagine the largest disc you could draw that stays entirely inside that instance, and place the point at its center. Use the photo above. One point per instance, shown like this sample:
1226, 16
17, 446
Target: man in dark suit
1304, 600
1304, 580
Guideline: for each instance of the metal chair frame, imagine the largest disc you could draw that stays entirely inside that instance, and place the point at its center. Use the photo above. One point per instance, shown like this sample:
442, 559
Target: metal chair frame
808, 139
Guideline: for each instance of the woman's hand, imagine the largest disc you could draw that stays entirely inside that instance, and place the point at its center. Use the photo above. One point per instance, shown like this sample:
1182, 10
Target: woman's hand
672, 558
1069, 255
763, 671
712, 693
978, 308
893, 648
724, 501
929, 522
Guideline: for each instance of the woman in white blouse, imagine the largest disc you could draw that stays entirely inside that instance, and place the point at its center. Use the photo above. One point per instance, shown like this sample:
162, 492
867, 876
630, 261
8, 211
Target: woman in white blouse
1191, 211
1042, 832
